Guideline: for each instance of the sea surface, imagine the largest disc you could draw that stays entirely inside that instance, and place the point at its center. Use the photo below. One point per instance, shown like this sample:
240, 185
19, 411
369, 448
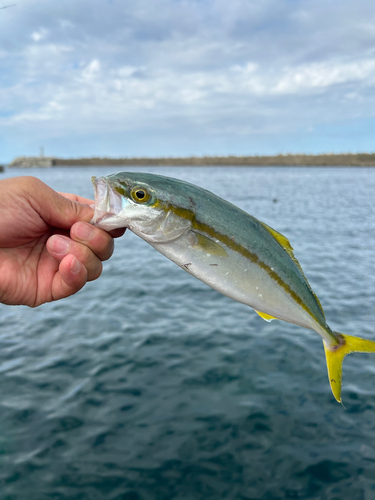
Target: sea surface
149, 385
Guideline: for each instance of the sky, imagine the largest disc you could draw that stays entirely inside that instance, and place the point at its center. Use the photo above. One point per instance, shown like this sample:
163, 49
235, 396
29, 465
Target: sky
125, 78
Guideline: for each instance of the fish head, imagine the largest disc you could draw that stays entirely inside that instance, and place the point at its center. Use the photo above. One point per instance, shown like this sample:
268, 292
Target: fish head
144, 203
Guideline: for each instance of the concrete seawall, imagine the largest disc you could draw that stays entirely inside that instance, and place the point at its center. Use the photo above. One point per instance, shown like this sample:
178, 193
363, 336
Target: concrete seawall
339, 160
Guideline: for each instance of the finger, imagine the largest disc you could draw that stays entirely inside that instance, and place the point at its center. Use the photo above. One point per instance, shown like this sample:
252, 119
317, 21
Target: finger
116, 233
98, 240
70, 278
60, 246
76, 197
55, 209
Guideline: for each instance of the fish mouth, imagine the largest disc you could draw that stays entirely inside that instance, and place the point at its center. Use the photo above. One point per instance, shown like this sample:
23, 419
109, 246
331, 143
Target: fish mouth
108, 205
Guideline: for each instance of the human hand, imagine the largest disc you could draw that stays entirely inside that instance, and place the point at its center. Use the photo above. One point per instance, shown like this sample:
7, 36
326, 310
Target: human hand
48, 250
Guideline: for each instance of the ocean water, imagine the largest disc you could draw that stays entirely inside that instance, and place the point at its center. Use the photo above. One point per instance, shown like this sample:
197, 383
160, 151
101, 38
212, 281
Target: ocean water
148, 385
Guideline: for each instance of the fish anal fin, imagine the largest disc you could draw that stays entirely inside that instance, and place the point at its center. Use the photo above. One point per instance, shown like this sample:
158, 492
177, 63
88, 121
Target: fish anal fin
266, 317
336, 354
208, 245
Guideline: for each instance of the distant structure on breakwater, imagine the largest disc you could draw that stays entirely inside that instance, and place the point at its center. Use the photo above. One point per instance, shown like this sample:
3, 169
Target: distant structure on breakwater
323, 160
32, 161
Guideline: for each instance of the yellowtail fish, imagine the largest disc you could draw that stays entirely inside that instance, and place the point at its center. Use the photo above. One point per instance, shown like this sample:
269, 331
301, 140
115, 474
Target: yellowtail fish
223, 246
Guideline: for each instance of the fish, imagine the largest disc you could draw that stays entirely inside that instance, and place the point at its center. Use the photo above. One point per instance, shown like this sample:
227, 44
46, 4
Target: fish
226, 248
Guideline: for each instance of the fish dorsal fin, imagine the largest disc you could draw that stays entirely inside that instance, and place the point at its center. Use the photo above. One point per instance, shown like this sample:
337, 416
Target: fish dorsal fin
265, 316
284, 242
208, 245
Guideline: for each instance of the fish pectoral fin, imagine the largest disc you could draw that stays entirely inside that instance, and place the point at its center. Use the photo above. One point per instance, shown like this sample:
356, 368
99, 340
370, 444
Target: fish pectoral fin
266, 317
336, 354
208, 245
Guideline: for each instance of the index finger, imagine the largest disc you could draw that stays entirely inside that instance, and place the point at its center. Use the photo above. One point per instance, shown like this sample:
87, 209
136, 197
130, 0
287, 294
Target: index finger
115, 233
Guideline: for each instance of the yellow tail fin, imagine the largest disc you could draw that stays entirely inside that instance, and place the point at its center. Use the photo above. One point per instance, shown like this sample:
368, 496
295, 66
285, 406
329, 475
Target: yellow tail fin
336, 354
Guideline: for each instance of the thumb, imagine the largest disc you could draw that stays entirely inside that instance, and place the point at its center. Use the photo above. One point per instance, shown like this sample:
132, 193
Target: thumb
54, 208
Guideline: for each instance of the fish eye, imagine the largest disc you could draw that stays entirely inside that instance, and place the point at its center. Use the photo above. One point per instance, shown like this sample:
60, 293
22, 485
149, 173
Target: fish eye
140, 195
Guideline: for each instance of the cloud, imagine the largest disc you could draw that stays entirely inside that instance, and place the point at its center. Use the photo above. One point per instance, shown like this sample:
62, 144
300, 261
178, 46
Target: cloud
91, 71
37, 36
189, 68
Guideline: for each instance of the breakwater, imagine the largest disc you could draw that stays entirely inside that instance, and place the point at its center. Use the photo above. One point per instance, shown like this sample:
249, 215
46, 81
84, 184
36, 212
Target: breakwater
322, 160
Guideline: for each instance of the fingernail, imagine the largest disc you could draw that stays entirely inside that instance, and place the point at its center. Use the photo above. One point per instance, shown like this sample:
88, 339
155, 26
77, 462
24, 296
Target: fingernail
75, 266
59, 244
84, 231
